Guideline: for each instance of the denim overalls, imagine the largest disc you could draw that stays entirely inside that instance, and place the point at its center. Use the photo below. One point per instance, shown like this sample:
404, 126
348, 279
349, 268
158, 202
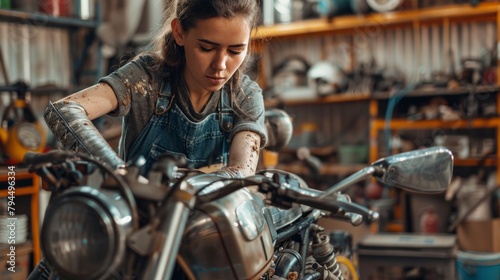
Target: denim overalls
169, 131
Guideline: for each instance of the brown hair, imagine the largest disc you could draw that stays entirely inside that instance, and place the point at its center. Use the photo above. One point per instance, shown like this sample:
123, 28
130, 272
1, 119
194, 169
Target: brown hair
171, 56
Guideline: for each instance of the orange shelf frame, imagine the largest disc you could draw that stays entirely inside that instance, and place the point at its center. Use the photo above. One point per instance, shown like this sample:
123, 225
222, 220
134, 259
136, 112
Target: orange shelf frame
430, 124
23, 189
339, 98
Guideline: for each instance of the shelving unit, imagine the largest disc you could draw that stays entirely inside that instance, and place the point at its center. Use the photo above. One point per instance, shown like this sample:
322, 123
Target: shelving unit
444, 15
321, 100
484, 12
26, 185
476, 123
351, 24
69, 23
415, 20
40, 19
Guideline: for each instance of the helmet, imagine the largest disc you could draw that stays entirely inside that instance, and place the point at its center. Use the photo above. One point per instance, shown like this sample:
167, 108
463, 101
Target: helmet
279, 129
326, 78
382, 6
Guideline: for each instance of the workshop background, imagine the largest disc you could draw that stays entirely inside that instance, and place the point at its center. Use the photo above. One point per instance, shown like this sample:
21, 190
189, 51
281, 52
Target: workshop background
362, 79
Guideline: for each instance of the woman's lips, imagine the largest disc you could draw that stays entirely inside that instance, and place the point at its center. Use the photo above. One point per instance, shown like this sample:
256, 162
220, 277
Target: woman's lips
216, 80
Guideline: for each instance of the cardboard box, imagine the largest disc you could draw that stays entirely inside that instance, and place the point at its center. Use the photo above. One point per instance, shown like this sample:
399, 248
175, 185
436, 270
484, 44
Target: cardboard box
480, 236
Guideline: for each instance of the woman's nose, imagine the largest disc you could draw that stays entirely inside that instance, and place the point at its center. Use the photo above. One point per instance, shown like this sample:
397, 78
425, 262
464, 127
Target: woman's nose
219, 62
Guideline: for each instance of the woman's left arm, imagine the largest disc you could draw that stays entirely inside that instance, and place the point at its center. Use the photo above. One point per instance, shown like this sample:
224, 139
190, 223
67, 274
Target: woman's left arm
249, 133
243, 155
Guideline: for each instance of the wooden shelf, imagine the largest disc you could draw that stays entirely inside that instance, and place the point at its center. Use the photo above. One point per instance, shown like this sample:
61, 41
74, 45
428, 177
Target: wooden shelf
475, 162
433, 91
39, 19
482, 12
339, 98
471, 162
432, 124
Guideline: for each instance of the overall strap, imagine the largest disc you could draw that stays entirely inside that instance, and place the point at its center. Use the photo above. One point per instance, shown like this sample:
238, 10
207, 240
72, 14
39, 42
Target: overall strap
225, 121
225, 111
165, 99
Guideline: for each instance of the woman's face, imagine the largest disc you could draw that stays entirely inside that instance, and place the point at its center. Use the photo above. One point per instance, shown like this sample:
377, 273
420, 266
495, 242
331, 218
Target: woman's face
214, 50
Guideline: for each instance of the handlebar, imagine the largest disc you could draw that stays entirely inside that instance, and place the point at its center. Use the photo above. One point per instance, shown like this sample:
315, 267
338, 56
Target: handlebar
54, 156
281, 188
335, 205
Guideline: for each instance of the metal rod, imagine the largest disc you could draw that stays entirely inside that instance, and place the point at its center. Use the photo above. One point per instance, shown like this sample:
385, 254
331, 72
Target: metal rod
352, 179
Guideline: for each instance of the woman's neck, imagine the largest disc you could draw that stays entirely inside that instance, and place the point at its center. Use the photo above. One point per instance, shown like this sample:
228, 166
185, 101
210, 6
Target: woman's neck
199, 100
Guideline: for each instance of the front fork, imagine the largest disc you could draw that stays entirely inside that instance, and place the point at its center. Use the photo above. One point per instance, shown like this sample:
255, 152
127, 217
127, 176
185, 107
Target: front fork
167, 240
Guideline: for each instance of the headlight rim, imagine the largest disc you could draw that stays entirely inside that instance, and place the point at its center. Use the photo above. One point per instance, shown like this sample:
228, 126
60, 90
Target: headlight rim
112, 210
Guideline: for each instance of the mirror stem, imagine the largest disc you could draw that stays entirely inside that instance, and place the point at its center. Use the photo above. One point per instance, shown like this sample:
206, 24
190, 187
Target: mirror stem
352, 179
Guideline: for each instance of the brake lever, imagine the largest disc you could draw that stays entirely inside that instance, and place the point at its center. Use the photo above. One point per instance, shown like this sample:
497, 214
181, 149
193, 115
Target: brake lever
56, 176
353, 208
353, 218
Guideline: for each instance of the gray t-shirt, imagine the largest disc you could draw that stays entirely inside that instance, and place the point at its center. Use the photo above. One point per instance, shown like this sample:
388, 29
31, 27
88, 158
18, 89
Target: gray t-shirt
137, 85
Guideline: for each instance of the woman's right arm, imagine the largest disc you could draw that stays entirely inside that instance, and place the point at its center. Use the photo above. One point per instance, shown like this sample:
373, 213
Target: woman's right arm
69, 119
97, 100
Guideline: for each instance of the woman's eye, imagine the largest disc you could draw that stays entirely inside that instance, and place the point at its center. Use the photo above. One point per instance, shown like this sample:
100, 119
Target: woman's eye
205, 49
234, 52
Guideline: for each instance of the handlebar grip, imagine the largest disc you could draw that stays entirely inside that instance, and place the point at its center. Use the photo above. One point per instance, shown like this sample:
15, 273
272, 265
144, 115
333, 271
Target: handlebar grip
55, 156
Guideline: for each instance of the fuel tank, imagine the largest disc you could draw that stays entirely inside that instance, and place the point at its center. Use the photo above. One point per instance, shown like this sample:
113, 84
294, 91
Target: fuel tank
227, 239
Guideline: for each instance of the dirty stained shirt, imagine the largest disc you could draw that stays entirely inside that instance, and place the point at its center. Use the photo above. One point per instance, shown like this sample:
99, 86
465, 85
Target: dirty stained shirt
137, 85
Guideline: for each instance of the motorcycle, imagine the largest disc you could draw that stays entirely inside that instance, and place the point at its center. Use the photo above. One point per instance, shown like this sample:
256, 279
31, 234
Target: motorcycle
185, 224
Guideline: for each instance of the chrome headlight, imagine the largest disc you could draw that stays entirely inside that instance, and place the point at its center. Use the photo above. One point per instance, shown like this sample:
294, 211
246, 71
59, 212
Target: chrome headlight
84, 233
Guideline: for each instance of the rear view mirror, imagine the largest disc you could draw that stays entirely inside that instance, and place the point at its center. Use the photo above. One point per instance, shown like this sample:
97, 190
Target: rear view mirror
426, 170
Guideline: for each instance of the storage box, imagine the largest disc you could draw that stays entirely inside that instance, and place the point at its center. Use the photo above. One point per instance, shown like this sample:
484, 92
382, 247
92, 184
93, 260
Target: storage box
482, 265
479, 236
385, 251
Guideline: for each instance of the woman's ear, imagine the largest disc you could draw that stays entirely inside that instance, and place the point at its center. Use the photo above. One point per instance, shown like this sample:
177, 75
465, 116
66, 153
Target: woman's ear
177, 32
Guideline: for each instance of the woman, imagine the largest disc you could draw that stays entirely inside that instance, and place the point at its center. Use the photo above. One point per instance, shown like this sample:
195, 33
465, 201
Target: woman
187, 95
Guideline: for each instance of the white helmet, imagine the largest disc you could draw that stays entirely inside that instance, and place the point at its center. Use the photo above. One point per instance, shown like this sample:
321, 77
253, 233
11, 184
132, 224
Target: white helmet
382, 6
326, 78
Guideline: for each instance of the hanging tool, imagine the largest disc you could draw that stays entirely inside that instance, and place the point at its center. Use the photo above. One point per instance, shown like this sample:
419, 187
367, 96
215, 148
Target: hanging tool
20, 131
